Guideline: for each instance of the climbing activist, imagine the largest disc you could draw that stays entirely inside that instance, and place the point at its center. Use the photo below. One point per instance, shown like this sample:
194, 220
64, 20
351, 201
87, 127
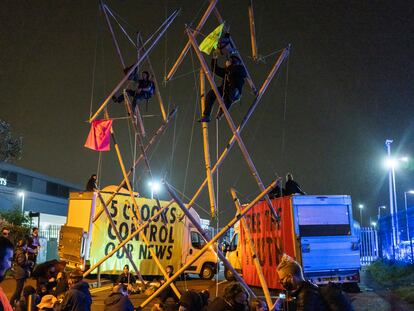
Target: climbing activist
233, 76
144, 88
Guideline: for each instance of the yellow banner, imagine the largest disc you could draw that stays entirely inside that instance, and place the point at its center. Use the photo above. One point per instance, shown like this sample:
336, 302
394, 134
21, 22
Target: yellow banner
165, 239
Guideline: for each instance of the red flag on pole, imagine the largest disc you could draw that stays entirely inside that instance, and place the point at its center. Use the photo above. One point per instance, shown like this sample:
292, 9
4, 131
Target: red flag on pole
99, 136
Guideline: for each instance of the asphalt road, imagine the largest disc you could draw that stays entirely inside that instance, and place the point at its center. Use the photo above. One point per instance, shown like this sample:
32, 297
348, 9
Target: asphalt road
367, 300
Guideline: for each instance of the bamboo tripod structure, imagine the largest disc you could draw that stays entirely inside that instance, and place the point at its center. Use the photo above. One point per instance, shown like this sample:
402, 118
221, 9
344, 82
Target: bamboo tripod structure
140, 133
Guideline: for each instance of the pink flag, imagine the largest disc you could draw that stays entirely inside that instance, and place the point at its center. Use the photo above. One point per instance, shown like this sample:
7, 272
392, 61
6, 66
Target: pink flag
99, 136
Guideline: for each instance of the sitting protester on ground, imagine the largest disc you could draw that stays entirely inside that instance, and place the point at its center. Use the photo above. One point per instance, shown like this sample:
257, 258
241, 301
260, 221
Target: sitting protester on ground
301, 294
61, 285
190, 301
257, 304
47, 303
28, 290
118, 300
235, 298
126, 277
168, 291
78, 298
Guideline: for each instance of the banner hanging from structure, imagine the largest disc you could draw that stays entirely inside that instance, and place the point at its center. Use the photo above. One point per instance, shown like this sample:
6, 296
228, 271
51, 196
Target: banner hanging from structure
270, 238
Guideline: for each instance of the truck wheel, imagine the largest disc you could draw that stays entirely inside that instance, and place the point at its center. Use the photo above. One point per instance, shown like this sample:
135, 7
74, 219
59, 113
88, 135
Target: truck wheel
207, 272
228, 275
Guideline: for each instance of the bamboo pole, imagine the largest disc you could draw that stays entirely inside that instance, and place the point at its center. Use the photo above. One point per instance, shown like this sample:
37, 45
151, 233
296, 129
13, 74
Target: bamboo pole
255, 258
125, 78
142, 148
118, 50
111, 221
128, 238
207, 148
134, 114
157, 86
183, 53
209, 243
230, 122
252, 107
135, 207
252, 32
159, 132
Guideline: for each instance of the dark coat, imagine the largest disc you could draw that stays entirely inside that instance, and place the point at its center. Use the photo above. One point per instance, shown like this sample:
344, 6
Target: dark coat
233, 76
220, 304
308, 298
118, 302
123, 278
21, 264
78, 298
293, 187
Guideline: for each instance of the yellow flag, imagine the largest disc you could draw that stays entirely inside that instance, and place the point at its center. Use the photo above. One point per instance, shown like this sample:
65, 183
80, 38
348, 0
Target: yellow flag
211, 40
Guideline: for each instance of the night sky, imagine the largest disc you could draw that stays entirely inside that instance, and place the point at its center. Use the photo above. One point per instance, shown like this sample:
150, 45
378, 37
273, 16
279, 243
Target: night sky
348, 86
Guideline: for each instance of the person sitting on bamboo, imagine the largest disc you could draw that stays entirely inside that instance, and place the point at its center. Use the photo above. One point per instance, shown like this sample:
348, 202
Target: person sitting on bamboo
231, 87
144, 90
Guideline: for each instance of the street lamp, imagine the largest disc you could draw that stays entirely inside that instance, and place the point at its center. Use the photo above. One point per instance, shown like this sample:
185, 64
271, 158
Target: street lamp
22, 195
154, 186
392, 163
379, 211
361, 207
374, 224
406, 222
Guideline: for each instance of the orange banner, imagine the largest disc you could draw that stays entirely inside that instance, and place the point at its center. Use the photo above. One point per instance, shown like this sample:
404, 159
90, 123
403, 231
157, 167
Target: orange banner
270, 238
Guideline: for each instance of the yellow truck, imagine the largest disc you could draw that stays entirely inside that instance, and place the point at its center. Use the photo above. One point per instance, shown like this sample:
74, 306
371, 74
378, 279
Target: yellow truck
84, 240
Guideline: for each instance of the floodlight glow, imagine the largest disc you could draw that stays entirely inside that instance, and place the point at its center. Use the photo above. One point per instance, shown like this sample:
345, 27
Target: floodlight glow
410, 191
383, 206
361, 206
373, 223
155, 186
20, 193
405, 159
391, 163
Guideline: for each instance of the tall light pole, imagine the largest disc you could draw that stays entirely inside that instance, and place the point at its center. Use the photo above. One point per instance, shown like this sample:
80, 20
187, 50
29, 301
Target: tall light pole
379, 211
393, 200
22, 195
406, 222
361, 207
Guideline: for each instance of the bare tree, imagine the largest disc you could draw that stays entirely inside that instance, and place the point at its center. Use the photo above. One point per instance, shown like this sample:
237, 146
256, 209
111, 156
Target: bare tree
10, 147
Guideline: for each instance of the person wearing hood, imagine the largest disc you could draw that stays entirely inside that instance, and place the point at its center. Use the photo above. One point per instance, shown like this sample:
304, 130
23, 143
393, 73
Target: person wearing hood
235, 298
78, 298
118, 300
233, 75
301, 294
190, 301
21, 269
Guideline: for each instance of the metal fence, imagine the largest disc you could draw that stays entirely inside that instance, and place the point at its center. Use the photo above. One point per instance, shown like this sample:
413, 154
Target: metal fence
49, 240
403, 248
369, 251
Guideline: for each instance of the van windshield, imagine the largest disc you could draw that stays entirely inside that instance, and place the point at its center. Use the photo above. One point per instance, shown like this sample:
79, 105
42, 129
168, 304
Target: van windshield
323, 220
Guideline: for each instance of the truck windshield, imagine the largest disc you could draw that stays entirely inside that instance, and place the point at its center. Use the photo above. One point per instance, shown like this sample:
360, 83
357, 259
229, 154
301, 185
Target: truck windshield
197, 240
323, 220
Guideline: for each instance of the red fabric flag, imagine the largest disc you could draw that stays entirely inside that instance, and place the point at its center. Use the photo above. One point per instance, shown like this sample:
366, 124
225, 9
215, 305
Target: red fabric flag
99, 136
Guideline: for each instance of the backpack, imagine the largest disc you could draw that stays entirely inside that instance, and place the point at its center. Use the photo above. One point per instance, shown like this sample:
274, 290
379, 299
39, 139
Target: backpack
335, 299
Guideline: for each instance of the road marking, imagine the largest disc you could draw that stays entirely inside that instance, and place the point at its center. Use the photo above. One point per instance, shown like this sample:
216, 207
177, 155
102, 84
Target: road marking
100, 289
